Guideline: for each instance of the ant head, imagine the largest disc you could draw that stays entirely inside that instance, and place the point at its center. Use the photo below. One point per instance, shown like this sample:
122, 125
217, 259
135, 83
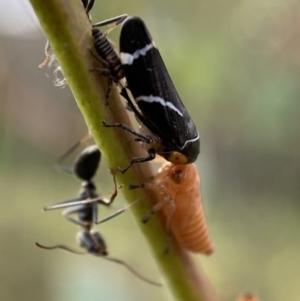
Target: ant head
92, 242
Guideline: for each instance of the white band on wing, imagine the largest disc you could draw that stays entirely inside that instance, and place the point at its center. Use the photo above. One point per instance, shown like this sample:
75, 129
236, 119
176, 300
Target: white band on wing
127, 58
191, 140
160, 100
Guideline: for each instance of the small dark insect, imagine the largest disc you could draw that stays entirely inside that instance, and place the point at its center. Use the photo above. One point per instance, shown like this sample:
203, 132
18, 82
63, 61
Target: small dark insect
166, 126
86, 206
106, 54
178, 189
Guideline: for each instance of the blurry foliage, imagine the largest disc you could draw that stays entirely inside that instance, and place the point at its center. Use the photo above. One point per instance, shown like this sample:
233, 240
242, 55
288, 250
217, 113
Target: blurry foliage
236, 66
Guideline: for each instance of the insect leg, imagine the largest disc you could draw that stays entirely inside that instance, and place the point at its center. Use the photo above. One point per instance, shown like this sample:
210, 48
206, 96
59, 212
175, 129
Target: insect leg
147, 185
64, 204
105, 72
89, 6
117, 20
107, 203
99, 58
151, 156
115, 192
172, 209
78, 201
110, 84
154, 209
134, 186
118, 212
66, 213
168, 243
144, 138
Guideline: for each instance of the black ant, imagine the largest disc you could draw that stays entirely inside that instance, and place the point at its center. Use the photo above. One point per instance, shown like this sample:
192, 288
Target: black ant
86, 206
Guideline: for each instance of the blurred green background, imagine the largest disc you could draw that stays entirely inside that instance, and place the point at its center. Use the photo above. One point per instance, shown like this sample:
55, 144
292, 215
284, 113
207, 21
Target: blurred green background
236, 65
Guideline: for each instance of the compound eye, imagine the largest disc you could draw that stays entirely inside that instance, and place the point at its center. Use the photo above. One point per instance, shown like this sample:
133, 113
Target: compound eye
178, 158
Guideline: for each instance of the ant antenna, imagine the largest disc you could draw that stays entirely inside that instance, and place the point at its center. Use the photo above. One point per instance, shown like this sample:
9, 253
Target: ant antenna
61, 247
118, 261
133, 271
68, 152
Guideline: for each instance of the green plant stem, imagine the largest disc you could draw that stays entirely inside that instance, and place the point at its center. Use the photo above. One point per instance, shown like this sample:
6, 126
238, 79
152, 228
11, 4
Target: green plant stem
69, 32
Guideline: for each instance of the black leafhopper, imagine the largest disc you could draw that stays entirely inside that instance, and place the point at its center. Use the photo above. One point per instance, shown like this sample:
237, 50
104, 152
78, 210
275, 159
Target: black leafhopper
166, 126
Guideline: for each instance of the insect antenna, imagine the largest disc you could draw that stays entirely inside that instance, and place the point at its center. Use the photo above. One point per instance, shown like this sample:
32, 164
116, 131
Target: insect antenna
118, 261
133, 271
62, 247
59, 162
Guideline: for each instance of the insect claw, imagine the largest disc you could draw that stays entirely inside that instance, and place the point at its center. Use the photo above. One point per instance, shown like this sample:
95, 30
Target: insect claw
145, 219
122, 170
134, 186
166, 250
168, 245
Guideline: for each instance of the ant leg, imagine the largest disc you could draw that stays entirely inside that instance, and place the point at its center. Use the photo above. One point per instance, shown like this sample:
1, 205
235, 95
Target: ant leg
66, 213
109, 202
64, 204
118, 212
79, 202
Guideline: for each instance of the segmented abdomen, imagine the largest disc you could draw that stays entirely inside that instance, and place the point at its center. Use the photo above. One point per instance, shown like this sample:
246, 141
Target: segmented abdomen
106, 51
178, 187
191, 232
